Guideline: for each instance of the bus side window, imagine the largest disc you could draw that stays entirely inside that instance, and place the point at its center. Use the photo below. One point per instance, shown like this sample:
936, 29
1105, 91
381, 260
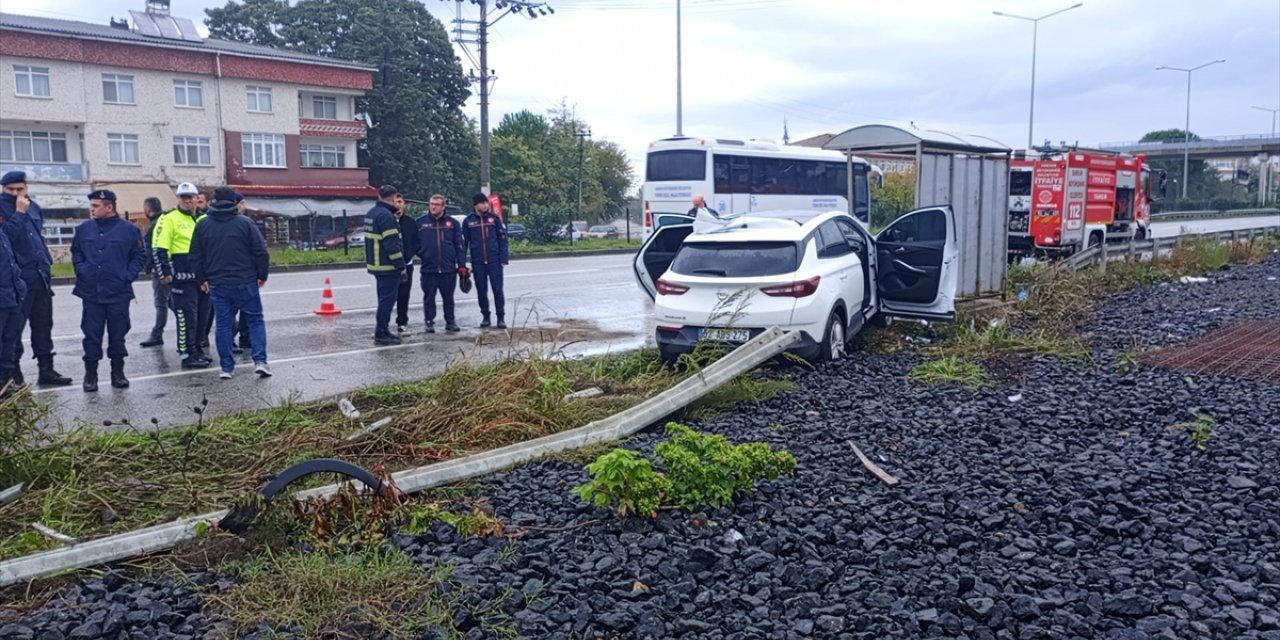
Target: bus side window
861, 193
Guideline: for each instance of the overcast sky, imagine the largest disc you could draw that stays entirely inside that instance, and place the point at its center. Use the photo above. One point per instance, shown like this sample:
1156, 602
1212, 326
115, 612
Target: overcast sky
828, 65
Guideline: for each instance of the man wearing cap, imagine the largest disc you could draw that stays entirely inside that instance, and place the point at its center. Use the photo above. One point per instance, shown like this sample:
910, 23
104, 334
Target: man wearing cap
384, 258
486, 238
409, 236
171, 248
442, 255
107, 253
21, 220
159, 290
12, 290
231, 262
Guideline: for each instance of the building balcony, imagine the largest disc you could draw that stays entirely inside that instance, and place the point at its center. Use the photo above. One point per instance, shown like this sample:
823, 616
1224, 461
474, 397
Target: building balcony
347, 129
47, 172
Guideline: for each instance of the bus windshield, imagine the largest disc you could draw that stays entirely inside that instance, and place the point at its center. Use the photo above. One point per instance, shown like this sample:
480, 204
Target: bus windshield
676, 165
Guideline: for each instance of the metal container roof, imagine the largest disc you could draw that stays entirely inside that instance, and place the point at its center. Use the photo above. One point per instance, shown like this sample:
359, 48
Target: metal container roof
890, 139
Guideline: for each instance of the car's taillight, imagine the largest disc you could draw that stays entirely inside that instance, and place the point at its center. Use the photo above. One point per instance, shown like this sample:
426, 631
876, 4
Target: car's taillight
797, 289
670, 288
648, 216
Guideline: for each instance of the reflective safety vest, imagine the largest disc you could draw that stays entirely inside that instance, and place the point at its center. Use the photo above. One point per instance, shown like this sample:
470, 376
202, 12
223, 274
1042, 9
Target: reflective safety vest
172, 242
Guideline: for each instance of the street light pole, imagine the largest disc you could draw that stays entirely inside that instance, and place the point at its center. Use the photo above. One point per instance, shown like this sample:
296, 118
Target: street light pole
1035, 36
1186, 142
1264, 179
679, 81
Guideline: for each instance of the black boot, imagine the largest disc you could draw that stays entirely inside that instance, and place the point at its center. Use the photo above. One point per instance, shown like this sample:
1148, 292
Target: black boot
117, 374
484, 321
16, 376
502, 323
90, 376
49, 376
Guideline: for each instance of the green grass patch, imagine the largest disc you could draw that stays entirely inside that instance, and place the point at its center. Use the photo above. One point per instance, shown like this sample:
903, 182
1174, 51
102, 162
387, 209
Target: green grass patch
950, 370
374, 591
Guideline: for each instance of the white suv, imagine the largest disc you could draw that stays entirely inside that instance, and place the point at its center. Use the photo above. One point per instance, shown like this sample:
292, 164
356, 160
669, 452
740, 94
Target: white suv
818, 273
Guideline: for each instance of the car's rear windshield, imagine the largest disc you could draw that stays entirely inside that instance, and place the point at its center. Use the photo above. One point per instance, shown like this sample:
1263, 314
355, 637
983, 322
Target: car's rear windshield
736, 259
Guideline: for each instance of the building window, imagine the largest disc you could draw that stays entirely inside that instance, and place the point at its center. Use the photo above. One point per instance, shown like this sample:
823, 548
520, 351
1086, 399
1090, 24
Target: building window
192, 151
122, 148
31, 81
323, 155
117, 87
259, 98
324, 107
33, 146
263, 150
188, 93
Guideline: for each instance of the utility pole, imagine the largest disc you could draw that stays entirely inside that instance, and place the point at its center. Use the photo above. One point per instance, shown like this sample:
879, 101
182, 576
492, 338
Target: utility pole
1035, 36
1264, 178
582, 143
480, 37
679, 81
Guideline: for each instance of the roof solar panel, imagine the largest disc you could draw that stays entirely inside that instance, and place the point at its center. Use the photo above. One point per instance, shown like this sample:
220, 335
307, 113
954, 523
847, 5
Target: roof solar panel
167, 28
188, 29
145, 25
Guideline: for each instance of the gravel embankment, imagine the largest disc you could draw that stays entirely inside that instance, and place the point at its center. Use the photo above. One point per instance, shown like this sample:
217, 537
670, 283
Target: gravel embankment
1065, 502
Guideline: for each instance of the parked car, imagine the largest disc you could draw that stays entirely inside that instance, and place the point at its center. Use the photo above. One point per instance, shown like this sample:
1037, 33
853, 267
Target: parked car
357, 240
517, 231
821, 274
601, 231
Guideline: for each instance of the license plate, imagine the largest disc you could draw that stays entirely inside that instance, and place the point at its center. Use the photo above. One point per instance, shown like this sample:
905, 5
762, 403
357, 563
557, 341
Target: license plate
726, 335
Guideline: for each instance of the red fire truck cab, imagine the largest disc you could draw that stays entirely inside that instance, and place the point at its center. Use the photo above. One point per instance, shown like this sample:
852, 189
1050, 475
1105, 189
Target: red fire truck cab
1070, 200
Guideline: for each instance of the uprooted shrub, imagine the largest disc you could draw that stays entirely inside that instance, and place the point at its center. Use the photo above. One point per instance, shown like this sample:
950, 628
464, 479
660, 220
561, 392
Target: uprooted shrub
698, 470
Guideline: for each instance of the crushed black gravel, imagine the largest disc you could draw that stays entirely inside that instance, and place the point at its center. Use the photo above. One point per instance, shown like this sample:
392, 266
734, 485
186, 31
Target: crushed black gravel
1069, 504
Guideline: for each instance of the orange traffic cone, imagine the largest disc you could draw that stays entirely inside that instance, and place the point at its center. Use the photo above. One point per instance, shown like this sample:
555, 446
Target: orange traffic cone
326, 302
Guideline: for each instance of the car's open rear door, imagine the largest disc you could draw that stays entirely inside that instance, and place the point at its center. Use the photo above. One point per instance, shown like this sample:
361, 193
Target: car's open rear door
656, 254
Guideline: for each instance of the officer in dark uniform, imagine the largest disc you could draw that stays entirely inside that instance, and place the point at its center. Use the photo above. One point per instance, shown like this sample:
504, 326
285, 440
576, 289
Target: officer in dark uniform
409, 235
441, 252
107, 253
486, 237
384, 259
25, 227
12, 290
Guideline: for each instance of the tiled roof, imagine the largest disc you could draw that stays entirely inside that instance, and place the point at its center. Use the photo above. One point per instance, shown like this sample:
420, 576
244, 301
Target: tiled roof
74, 28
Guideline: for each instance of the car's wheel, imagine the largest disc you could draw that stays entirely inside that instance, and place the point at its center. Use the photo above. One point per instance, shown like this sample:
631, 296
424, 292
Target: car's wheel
1095, 239
1140, 234
834, 340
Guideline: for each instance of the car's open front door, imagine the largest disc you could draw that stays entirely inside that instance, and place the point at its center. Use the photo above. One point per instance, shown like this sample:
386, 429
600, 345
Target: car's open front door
656, 254
916, 263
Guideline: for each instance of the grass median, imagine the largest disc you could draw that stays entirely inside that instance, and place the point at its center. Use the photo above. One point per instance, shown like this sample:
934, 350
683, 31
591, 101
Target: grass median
91, 482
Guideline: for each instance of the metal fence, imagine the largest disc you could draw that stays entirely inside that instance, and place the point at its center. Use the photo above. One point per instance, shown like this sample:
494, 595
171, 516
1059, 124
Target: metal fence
1100, 254
1213, 213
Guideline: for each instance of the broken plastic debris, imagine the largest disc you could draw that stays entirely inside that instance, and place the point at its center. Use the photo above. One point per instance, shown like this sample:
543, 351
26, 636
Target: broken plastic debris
12, 493
1213, 310
349, 410
585, 393
50, 533
733, 537
1192, 280
1017, 397
371, 428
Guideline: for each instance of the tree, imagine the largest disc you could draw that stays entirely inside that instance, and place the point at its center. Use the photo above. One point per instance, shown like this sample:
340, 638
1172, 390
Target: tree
420, 140
895, 197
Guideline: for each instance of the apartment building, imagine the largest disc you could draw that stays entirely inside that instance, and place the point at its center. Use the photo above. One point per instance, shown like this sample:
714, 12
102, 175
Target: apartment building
138, 108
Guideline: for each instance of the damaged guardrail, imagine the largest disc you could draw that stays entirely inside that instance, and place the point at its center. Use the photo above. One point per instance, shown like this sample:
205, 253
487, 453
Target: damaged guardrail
746, 357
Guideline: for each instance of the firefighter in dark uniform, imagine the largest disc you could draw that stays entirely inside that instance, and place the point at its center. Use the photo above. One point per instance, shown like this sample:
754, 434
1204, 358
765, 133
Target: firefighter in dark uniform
107, 253
171, 248
408, 235
12, 290
384, 259
24, 225
486, 236
441, 252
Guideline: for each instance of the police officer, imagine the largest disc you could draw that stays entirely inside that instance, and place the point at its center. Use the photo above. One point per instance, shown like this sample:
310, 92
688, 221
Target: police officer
25, 227
441, 252
12, 290
486, 237
384, 258
171, 247
107, 253
159, 290
409, 235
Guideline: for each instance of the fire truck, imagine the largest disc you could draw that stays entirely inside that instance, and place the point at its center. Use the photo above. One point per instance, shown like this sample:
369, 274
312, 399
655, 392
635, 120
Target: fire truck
1072, 199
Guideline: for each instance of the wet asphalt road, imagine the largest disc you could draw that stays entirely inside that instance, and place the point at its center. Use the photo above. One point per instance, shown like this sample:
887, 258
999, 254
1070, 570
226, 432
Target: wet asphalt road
577, 305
